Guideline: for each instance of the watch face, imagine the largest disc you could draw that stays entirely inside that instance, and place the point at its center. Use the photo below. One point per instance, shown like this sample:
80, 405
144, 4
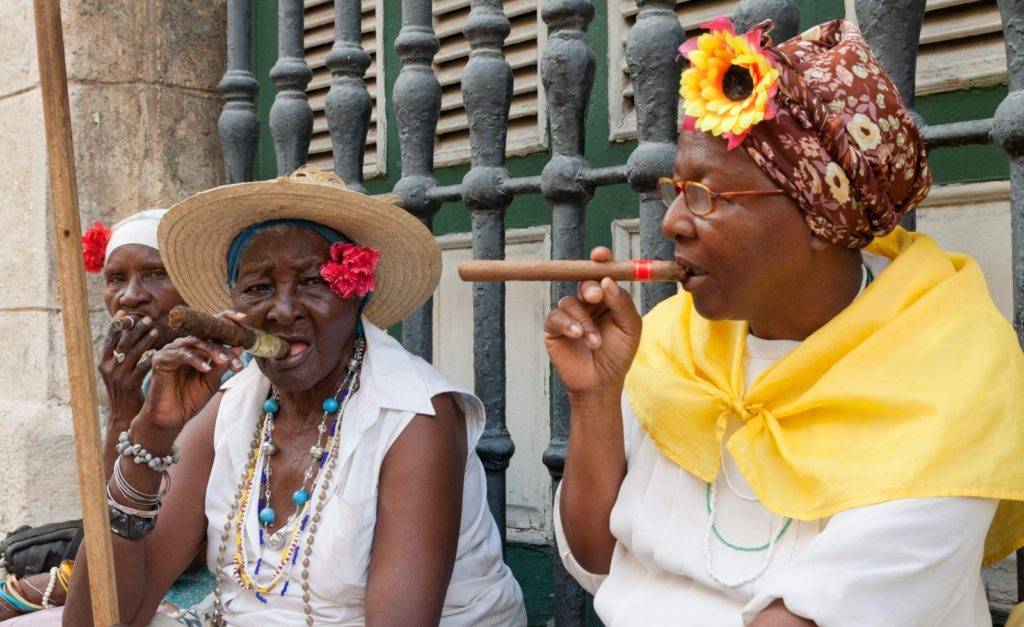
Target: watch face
129, 526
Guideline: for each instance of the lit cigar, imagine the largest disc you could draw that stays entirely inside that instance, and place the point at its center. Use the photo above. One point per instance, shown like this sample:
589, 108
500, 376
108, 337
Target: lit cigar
120, 324
570, 270
188, 321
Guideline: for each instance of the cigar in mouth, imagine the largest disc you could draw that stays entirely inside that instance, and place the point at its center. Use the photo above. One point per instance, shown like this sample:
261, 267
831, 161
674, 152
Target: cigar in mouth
188, 321
570, 270
122, 324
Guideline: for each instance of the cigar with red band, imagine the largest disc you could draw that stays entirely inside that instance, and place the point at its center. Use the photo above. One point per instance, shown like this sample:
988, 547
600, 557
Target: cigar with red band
570, 270
188, 321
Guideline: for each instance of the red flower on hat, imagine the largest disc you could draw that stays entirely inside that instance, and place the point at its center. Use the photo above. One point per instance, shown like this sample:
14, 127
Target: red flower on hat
94, 246
352, 269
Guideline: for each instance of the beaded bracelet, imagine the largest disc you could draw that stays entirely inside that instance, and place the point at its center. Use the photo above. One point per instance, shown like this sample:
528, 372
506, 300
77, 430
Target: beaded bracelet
49, 588
141, 456
135, 495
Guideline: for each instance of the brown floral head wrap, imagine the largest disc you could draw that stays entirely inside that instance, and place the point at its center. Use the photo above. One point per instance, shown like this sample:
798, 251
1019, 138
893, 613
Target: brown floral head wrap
836, 135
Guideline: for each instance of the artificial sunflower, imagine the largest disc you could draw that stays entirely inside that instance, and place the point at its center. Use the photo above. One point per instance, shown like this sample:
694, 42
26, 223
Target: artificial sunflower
730, 83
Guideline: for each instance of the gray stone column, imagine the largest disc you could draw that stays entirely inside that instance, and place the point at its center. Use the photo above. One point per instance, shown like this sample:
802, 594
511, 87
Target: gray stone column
654, 68
567, 71
487, 94
348, 105
417, 103
1008, 134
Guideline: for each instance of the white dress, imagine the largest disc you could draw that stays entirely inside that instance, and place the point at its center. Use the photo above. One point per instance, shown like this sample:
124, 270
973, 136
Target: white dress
395, 386
912, 562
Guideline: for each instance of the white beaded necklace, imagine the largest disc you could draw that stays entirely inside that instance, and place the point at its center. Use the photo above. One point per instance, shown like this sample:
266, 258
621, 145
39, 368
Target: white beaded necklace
774, 536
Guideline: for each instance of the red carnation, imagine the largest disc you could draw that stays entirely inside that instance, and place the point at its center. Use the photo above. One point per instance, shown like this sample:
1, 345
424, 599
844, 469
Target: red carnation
351, 270
94, 246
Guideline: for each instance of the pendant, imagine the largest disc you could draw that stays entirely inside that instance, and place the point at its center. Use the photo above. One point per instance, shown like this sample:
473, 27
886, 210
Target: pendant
276, 540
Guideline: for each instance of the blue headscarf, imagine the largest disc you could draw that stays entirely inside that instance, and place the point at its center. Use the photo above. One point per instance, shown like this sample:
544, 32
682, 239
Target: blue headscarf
243, 239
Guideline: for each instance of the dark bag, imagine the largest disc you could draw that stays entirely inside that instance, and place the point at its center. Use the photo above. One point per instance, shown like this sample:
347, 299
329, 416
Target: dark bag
32, 550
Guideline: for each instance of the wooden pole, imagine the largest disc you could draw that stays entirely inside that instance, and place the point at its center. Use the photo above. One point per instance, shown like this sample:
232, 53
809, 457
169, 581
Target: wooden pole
53, 84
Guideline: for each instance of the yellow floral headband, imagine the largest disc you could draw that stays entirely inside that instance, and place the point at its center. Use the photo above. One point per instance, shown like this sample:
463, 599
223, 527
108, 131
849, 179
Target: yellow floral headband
730, 84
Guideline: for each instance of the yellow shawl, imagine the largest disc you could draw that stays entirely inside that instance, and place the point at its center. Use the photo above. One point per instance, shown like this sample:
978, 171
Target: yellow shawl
914, 390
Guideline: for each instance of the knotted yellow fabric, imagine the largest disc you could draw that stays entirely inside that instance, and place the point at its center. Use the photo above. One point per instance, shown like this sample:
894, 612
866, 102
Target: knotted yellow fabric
914, 390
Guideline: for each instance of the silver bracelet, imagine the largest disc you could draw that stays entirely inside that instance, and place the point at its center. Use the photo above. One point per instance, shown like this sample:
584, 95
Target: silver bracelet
135, 495
131, 511
140, 455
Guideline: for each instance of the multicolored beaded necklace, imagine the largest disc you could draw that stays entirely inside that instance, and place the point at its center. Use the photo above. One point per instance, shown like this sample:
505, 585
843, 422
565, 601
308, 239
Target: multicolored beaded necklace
323, 457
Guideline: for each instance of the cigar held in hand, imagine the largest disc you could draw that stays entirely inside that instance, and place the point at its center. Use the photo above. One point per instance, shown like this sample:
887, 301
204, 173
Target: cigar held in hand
570, 270
188, 321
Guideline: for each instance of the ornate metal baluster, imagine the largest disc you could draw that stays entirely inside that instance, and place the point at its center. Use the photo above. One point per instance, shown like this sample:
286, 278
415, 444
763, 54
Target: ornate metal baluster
239, 126
417, 102
652, 54
567, 72
1008, 134
888, 30
487, 94
291, 118
348, 102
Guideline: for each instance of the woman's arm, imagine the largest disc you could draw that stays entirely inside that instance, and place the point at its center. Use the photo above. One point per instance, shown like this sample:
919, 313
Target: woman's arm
419, 515
591, 339
180, 408
123, 379
145, 569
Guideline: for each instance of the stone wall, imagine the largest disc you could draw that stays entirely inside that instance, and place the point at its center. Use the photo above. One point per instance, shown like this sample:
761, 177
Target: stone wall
142, 82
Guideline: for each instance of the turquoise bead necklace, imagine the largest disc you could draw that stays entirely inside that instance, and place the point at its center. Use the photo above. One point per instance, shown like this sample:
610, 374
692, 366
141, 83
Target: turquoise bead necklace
317, 452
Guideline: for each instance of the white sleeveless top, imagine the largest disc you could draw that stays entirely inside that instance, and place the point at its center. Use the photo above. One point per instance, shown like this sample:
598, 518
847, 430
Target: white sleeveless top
395, 386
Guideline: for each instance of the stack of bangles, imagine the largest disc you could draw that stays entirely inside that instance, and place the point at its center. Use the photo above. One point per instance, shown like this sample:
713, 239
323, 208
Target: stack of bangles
126, 521
15, 599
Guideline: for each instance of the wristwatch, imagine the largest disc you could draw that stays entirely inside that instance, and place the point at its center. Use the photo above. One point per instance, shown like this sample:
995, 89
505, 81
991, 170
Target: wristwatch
130, 526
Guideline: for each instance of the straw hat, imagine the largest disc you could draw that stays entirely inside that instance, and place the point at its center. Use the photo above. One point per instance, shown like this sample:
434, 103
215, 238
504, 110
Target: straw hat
195, 235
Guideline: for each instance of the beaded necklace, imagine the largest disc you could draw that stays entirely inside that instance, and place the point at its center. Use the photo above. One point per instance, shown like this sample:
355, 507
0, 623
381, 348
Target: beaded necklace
323, 458
773, 538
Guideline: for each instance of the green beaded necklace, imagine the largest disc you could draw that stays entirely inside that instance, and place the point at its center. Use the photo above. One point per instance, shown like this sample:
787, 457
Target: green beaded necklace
736, 547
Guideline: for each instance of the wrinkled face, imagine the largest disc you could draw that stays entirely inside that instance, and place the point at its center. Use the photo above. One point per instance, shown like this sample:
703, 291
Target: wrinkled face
750, 249
138, 284
280, 289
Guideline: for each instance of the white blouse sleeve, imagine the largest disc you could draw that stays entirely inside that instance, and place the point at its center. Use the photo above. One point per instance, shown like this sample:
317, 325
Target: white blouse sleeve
587, 580
903, 562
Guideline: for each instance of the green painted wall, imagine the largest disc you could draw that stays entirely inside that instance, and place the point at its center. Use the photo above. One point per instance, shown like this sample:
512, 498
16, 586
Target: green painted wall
533, 565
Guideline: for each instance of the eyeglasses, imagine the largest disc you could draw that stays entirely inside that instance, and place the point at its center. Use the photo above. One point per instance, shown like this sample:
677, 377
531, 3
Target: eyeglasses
700, 199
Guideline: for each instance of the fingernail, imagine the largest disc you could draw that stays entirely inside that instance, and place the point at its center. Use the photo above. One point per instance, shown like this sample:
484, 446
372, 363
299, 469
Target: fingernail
236, 363
147, 321
154, 333
576, 330
223, 357
594, 339
204, 367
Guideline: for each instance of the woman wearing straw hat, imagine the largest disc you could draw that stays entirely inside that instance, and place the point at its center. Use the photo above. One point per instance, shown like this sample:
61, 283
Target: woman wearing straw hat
297, 467
823, 427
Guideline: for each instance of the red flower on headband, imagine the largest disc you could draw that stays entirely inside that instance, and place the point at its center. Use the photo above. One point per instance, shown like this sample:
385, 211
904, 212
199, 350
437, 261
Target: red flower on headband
351, 270
94, 246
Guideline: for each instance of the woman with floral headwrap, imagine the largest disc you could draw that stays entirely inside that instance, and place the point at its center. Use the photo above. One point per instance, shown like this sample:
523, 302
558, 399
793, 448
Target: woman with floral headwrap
822, 428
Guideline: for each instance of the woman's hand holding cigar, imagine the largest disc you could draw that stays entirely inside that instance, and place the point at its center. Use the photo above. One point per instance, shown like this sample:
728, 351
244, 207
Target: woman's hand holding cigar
187, 373
593, 336
123, 364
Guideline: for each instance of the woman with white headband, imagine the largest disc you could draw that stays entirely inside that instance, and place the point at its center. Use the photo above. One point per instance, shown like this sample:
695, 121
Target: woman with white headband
138, 294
